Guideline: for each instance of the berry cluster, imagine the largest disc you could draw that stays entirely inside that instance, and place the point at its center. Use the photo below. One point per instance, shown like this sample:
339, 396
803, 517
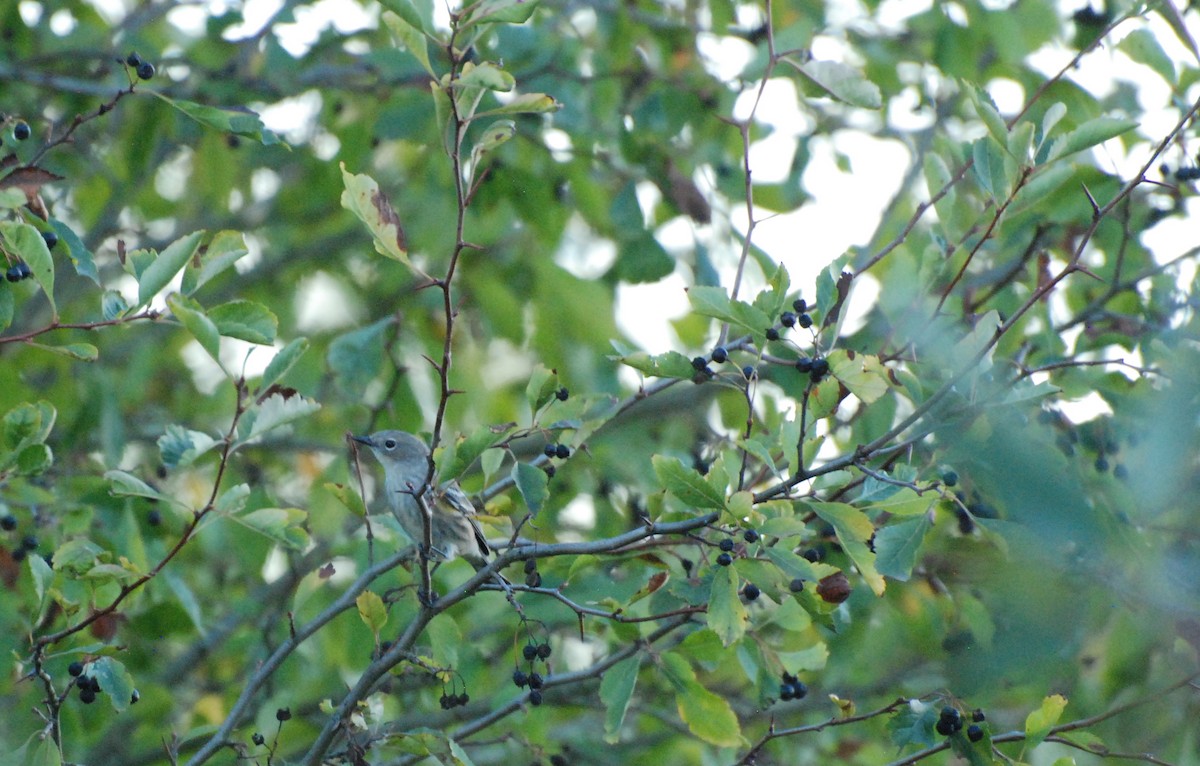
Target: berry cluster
949, 721
560, 451
816, 368
533, 653
800, 317
533, 578
144, 69
792, 688
18, 271
89, 687
452, 700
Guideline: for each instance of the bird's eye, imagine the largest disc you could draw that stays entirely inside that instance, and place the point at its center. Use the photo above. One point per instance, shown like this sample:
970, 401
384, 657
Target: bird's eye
390, 444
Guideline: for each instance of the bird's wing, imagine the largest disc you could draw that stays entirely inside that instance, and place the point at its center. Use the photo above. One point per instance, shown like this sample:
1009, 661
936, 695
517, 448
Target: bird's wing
457, 499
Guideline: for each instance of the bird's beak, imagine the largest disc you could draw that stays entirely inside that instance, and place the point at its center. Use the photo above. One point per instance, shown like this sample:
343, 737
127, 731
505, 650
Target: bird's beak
362, 440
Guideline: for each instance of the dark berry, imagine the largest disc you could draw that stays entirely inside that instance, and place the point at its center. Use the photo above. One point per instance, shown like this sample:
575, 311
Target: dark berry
562, 394
90, 682
747, 372
533, 580
787, 319
804, 320
21, 131
154, 517
75, 669
945, 727
258, 739
87, 696
772, 333
974, 732
699, 363
724, 559
145, 71
813, 555
950, 714
820, 367
804, 364
800, 305
1120, 471
550, 470
529, 652
786, 692
463, 699
19, 555
29, 542
550, 450
719, 354
750, 535
751, 592
134, 697
562, 451
726, 545
950, 478
687, 564
283, 714
133, 59
530, 565
559, 760
789, 678
796, 585
543, 651
51, 239
8, 523
1102, 464
18, 271
535, 681
535, 698
519, 678
977, 715
444, 702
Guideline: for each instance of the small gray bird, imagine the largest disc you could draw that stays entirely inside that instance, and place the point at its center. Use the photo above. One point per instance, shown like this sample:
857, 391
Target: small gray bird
455, 532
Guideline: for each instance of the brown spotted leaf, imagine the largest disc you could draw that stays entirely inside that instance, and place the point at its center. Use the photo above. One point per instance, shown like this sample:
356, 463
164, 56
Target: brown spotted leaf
363, 197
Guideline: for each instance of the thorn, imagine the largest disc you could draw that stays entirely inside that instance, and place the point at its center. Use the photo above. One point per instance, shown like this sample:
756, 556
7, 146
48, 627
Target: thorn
1088, 272
1092, 200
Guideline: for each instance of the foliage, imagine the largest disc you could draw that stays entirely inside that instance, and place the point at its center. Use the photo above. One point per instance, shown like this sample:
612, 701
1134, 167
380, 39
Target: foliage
822, 516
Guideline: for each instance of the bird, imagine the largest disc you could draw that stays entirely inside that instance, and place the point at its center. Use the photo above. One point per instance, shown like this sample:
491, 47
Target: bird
454, 529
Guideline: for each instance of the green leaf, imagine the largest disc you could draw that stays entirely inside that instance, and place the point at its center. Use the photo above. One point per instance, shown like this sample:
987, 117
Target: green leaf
531, 482
540, 389
27, 244
525, 103
501, 11
179, 446
114, 680
28, 423
1090, 134
159, 273
485, 75
245, 320
985, 107
225, 249
493, 135
356, 357
714, 302
1039, 723
989, 167
239, 121
232, 500
81, 257
124, 483
642, 259
896, 547
863, 374
84, 352
411, 38
616, 689
112, 305
277, 410
853, 529
347, 497
708, 716
192, 317
841, 81
372, 611
726, 614
282, 362
34, 460
462, 453
363, 198
283, 525
686, 483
